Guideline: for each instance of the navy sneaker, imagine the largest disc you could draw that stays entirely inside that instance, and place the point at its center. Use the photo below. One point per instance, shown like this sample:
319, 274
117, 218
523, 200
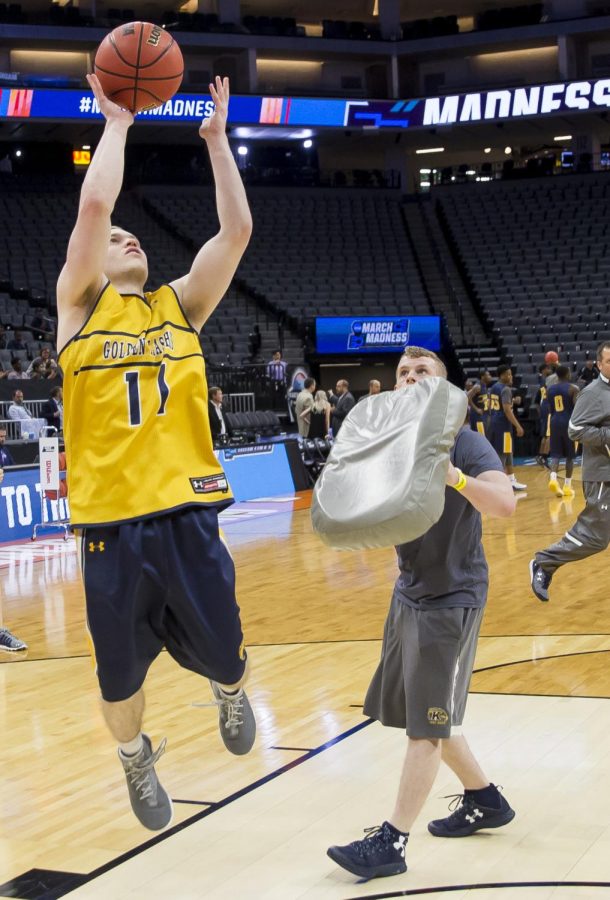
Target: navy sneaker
381, 853
470, 816
540, 581
11, 643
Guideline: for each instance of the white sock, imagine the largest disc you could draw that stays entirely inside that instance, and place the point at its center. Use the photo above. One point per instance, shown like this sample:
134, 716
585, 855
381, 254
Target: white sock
132, 748
225, 692
512, 477
553, 476
568, 482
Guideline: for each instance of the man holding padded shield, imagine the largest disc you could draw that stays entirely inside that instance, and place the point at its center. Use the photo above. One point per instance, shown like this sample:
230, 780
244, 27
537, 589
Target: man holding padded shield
429, 644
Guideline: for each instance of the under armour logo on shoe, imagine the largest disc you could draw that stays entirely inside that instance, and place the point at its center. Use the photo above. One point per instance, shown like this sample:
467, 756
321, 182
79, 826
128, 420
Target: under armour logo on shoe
604, 506
476, 814
400, 845
93, 547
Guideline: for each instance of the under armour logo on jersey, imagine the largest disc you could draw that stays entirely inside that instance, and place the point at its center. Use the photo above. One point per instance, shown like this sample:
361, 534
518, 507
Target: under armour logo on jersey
400, 845
476, 814
93, 547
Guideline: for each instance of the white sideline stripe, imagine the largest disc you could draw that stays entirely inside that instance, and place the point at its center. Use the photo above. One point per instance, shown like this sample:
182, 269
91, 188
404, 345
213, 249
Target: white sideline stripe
573, 539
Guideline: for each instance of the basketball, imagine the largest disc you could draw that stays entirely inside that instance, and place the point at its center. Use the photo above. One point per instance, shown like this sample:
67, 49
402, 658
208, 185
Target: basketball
551, 357
139, 66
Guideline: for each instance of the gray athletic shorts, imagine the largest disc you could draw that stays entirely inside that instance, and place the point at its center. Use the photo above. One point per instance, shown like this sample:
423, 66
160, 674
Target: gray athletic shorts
421, 683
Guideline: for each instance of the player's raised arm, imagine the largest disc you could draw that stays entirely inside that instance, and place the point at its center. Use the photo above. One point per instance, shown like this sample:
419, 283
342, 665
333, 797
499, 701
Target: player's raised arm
214, 266
82, 274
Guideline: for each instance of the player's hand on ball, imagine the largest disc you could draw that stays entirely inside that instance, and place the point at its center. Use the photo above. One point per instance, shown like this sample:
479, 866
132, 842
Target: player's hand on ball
216, 124
110, 110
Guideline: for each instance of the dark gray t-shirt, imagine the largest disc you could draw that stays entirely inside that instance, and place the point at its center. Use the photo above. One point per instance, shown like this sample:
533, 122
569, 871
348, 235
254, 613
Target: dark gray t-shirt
446, 566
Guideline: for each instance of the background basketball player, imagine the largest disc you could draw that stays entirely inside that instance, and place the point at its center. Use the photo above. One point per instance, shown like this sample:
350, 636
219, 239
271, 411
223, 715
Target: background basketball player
561, 399
503, 422
478, 403
145, 485
429, 644
542, 403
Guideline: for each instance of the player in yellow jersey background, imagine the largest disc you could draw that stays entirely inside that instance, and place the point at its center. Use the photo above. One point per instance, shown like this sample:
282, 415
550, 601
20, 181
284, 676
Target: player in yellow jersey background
145, 485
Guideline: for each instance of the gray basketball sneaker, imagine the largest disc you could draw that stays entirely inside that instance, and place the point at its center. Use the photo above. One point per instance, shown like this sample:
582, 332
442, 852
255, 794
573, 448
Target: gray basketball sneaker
235, 720
149, 801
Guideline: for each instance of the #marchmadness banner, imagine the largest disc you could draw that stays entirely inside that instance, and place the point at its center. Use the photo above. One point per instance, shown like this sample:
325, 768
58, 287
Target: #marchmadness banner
376, 334
477, 106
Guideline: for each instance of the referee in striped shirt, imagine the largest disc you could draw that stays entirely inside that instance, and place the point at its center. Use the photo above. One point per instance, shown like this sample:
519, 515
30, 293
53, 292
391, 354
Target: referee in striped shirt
276, 373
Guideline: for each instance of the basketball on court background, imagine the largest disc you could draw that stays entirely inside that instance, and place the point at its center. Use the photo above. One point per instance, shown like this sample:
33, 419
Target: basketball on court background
139, 66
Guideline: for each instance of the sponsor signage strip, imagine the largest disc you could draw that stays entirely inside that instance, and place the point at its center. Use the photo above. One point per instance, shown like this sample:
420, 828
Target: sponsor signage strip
456, 109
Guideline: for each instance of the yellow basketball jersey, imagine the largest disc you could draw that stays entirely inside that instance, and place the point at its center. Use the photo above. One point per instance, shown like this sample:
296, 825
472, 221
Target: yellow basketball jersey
136, 424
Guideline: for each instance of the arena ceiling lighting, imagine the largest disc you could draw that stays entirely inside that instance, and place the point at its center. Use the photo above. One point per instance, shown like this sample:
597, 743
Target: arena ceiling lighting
563, 137
308, 143
508, 150
487, 150
242, 151
431, 150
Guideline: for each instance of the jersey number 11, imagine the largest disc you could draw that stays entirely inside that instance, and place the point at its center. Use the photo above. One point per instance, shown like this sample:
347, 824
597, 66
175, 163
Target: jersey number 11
132, 379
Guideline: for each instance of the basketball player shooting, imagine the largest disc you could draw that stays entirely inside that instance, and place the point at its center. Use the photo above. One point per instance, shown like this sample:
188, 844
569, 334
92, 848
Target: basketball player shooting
145, 485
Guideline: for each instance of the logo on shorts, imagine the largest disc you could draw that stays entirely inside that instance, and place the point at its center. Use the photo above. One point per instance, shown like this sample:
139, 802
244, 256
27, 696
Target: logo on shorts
93, 547
242, 651
209, 484
437, 716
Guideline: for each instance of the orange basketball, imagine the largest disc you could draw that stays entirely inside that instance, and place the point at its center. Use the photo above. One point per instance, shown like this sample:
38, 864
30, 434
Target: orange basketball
139, 66
551, 357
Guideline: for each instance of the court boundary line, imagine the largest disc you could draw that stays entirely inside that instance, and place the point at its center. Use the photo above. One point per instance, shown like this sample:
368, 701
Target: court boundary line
520, 662
414, 892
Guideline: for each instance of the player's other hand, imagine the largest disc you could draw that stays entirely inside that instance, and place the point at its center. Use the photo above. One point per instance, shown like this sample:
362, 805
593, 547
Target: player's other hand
216, 124
519, 430
110, 110
452, 475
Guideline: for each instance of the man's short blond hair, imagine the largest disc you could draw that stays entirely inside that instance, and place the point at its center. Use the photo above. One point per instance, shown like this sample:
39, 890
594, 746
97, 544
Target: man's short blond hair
417, 352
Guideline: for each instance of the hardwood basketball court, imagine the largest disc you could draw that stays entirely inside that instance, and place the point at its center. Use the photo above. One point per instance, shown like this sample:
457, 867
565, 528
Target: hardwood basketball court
259, 826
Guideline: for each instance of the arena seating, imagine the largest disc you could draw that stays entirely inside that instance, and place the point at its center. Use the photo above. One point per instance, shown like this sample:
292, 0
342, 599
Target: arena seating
35, 224
321, 251
535, 253
246, 426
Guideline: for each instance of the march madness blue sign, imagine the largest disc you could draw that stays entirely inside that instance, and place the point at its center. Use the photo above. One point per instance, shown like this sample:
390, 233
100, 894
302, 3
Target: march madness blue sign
21, 508
376, 334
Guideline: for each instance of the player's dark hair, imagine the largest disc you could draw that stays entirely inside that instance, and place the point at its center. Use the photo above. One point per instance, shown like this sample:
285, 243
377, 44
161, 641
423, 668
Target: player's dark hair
309, 382
542, 367
563, 372
605, 345
502, 370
